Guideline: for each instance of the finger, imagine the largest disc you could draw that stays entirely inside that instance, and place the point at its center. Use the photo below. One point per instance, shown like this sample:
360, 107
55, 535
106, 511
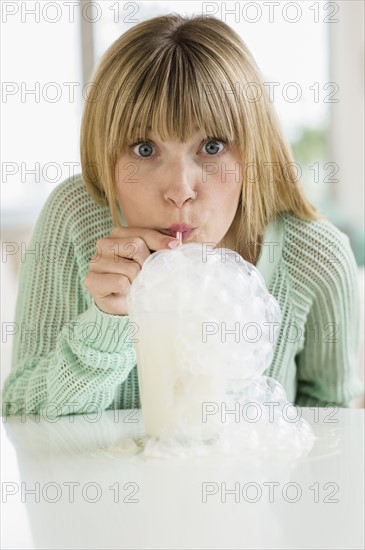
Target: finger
130, 248
155, 240
115, 304
101, 285
116, 264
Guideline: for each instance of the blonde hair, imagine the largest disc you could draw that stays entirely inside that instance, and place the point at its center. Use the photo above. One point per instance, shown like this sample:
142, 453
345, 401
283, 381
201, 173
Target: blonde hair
174, 73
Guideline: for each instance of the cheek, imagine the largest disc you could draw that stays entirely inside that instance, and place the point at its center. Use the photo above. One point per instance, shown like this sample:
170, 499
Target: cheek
119, 175
125, 176
229, 174
132, 192
124, 191
133, 181
227, 185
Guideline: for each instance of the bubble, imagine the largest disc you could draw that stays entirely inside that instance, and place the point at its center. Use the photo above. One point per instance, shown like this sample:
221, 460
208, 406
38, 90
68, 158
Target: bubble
203, 347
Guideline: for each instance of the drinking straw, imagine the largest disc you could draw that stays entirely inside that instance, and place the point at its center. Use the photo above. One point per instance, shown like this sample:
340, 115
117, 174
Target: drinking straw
179, 236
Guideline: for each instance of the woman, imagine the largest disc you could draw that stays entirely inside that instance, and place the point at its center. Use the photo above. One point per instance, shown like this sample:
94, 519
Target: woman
178, 136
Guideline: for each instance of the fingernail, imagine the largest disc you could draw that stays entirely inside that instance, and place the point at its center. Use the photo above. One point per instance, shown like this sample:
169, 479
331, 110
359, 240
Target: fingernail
173, 244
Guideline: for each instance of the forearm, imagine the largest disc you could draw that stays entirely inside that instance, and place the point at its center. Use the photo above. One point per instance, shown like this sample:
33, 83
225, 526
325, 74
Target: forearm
78, 372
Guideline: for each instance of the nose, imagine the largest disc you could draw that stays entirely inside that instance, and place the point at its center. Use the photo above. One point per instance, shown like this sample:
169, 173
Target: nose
181, 188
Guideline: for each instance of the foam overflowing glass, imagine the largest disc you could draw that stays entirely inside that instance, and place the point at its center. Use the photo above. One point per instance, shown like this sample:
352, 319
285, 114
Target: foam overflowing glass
206, 330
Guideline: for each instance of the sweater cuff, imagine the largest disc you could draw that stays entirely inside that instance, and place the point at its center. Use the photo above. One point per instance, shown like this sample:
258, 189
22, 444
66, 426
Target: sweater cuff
105, 332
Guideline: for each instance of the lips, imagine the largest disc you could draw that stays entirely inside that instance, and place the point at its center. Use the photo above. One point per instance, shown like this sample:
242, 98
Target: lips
183, 228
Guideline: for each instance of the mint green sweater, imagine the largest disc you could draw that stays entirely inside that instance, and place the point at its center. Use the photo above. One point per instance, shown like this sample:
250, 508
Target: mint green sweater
70, 354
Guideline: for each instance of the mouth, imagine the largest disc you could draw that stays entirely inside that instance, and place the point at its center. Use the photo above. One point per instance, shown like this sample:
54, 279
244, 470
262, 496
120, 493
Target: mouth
183, 228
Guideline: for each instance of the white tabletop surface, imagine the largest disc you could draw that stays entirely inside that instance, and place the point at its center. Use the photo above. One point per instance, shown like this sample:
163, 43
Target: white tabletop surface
86, 496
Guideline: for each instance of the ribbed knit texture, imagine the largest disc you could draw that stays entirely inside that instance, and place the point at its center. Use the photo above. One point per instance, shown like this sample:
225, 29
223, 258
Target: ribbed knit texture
78, 358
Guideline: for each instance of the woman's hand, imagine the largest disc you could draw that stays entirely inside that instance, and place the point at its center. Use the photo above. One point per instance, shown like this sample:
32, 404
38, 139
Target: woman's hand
118, 259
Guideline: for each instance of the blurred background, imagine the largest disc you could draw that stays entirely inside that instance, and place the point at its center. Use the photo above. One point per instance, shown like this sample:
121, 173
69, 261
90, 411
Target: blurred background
311, 55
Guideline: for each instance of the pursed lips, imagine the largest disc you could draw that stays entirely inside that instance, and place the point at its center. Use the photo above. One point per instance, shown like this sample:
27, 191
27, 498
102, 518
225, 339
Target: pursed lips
182, 228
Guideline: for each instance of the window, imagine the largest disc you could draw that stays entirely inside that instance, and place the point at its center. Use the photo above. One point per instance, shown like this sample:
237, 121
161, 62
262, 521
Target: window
41, 106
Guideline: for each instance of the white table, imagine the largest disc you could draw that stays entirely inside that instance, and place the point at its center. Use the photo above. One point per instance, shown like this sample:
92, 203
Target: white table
101, 500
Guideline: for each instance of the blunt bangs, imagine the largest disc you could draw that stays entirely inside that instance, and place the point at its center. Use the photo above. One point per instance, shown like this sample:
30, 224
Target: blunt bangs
173, 98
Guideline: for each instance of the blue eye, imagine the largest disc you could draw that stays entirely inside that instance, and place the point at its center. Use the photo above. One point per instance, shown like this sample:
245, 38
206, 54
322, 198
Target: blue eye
213, 147
145, 149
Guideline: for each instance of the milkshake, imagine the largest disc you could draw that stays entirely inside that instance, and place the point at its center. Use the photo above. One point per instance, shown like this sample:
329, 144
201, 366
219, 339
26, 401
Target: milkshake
181, 367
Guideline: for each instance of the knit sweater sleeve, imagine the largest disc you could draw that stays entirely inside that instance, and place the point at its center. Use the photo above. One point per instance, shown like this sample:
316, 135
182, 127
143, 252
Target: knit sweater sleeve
67, 354
328, 364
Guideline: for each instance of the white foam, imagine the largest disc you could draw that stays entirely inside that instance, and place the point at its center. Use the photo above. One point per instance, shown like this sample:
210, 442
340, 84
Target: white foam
192, 370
